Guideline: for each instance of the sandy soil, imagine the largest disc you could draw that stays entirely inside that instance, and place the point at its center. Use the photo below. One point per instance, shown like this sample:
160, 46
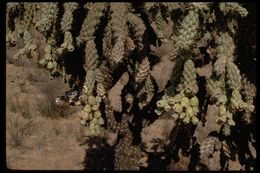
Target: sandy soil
47, 144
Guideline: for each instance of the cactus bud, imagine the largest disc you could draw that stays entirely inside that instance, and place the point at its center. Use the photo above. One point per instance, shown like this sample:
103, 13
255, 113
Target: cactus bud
186, 120
194, 101
158, 111
97, 114
194, 120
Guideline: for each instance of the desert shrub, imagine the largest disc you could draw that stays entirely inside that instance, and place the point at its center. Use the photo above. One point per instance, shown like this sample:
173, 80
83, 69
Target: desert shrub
46, 105
18, 129
35, 75
17, 105
32, 75
18, 63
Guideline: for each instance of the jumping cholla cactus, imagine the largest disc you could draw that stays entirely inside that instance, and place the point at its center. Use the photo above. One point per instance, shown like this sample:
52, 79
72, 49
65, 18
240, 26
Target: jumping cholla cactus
90, 23
187, 33
184, 104
91, 113
66, 23
127, 156
229, 76
119, 30
102, 44
143, 71
160, 23
48, 18
225, 53
227, 7
208, 146
138, 28
27, 22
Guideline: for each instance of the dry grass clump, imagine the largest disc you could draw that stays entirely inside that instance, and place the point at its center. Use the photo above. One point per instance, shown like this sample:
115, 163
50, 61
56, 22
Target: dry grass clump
46, 105
16, 105
19, 63
18, 129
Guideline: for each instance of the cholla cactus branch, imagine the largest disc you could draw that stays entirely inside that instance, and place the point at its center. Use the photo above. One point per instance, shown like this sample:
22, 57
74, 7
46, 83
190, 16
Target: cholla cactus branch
207, 148
184, 104
150, 5
48, 18
28, 15
90, 82
233, 76
29, 47
96, 11
143, 70
107, 40
119, 31
12, 7
66, 23
159, 20
67, 19
188, 30
127, 155
171, 6
138, 28
202, 6
227, 7
91, 55
189, 78
187, 33
225, 51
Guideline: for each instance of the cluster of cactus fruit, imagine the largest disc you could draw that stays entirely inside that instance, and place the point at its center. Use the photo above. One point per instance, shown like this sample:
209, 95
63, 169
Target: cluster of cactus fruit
185, 104
117, 54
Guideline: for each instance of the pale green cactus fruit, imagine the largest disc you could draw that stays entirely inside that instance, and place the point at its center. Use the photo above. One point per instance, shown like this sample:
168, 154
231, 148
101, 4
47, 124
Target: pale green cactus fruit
50, 56
91, 115
68, 42
185, 104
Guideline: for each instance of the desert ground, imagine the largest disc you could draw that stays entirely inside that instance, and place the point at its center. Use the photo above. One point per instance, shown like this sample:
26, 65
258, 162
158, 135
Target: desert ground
39, 135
